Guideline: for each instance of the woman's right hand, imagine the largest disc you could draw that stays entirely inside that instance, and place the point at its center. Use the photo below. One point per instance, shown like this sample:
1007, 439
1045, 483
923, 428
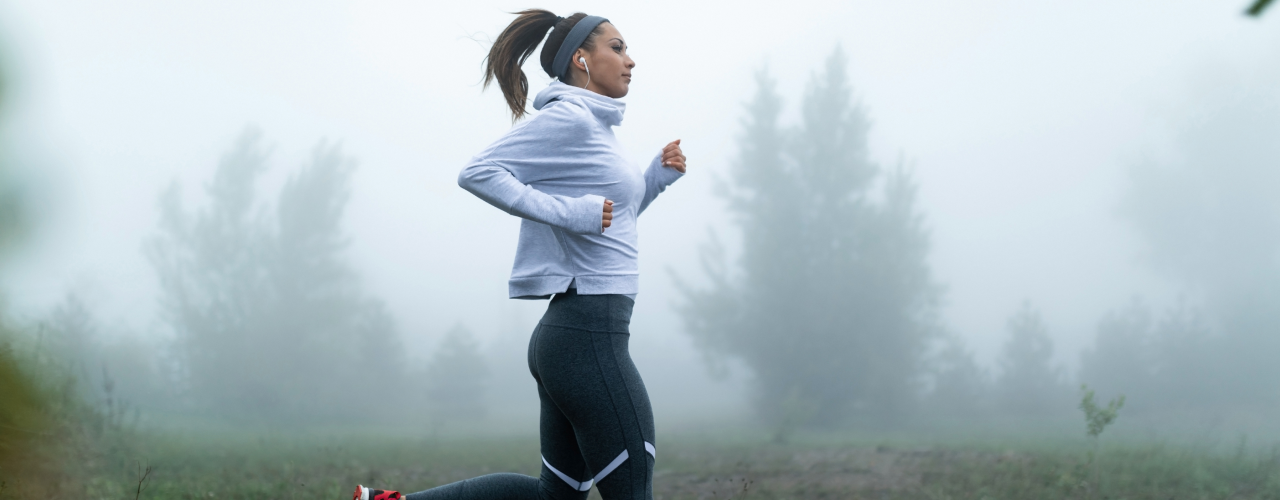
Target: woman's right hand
608, 215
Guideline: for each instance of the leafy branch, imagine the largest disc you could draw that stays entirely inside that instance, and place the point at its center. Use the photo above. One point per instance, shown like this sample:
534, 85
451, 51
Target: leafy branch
1258, 6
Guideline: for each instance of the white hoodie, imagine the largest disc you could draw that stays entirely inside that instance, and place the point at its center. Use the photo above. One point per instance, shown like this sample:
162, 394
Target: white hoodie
555, 170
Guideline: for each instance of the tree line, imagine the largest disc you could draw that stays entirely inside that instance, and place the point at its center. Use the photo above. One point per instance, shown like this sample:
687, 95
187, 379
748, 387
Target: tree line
831, 304
264, 317
827, 298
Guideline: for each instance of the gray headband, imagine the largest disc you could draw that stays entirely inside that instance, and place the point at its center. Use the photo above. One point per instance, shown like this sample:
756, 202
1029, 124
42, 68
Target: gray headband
572, 41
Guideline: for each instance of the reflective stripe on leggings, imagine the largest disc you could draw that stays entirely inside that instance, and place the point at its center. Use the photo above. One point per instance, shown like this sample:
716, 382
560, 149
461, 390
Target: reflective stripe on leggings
586, 485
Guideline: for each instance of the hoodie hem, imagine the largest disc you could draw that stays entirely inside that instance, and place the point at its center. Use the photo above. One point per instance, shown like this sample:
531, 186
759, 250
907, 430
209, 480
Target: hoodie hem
590, 284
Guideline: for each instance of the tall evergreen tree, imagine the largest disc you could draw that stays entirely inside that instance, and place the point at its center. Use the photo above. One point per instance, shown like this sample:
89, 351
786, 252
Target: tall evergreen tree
214, 287
831, 299
457, 378
1188, 363
1121, 360
961, 389
1029, 383
1210, 219
269, 319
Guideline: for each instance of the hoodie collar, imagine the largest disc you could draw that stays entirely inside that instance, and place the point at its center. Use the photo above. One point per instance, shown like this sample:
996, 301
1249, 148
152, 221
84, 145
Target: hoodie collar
606, 109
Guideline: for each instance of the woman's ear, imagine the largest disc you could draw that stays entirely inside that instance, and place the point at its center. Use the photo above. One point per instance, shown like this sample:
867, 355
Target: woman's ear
579, 57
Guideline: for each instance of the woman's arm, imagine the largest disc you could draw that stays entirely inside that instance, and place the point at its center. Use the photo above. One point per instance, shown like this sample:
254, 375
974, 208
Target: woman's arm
587, 214
665, 168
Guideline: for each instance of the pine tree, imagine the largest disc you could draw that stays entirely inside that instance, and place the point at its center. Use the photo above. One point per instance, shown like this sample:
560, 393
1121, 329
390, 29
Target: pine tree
1210, 219
961, 389
830, 300
214, 288
457, 378
1121, 360
1188, 364
1029, 383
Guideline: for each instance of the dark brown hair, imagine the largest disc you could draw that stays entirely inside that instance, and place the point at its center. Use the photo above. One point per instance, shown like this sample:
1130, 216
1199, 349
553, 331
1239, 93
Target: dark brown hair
517, 42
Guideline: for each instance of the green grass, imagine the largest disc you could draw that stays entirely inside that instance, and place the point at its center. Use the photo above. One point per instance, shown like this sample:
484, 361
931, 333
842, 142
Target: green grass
318, 466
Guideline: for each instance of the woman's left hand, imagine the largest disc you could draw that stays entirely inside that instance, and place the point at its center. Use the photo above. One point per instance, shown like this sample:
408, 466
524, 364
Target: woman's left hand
673, 157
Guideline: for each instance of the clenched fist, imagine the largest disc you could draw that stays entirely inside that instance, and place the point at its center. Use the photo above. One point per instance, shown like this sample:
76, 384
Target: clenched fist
673, 157
608, 215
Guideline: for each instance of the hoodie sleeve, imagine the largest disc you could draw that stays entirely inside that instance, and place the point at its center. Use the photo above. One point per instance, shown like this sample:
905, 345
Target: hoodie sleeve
656, 179
500, 187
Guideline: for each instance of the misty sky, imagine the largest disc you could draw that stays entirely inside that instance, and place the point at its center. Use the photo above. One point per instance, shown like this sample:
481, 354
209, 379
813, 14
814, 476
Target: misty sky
1020, 119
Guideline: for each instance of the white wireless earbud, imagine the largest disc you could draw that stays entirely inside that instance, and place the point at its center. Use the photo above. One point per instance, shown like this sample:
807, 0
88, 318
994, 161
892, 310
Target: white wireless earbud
583, 60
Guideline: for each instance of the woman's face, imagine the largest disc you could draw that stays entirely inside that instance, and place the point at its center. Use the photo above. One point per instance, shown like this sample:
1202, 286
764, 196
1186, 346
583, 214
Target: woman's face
609, 63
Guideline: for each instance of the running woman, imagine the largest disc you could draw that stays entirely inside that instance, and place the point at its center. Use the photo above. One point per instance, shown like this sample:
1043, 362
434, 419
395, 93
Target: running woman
563, 172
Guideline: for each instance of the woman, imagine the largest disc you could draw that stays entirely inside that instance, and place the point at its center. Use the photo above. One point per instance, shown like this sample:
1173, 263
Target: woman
562, 172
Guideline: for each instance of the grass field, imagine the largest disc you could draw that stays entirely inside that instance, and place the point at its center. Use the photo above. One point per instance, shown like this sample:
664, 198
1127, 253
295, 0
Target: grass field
317, 466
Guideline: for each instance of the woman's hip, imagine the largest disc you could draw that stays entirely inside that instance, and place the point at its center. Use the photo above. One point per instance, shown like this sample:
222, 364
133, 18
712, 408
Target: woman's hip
608, 313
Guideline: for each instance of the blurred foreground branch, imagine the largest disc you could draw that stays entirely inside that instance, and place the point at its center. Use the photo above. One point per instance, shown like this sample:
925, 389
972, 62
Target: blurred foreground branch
1258, 6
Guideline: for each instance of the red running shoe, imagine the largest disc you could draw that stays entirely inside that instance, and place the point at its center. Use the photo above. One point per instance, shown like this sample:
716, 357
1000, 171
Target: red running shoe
363, 493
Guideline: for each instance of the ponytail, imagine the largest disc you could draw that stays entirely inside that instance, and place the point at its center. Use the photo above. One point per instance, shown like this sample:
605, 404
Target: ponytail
517, 42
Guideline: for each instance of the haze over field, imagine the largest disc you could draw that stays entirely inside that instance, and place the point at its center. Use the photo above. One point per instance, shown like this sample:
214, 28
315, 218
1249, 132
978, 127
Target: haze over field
1081, 167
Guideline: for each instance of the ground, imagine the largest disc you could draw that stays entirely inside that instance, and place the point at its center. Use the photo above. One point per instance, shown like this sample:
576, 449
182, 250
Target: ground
321, 465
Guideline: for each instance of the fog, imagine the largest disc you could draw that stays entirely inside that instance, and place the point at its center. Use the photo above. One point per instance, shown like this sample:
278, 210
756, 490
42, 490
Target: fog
1071, 160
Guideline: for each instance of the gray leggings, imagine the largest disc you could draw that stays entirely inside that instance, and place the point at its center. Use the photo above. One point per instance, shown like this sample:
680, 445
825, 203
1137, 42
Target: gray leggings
596, 422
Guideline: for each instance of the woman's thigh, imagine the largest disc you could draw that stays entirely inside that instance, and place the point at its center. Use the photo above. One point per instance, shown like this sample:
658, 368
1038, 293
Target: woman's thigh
588, 381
